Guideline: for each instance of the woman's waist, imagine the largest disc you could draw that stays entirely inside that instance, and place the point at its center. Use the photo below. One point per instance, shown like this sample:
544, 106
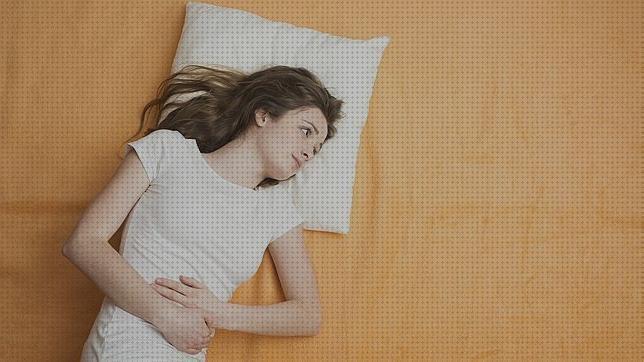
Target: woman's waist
155, 265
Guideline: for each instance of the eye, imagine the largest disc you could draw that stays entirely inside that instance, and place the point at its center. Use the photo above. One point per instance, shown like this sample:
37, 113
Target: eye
315, 152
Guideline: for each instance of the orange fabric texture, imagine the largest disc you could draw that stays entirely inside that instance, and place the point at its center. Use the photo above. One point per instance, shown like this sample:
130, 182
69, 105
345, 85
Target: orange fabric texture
497, 203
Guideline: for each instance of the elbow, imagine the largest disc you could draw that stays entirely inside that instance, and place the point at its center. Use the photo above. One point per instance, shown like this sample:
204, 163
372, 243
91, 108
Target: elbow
315, 320
72, 246
63, 251
317, 329
318, 325
68, 249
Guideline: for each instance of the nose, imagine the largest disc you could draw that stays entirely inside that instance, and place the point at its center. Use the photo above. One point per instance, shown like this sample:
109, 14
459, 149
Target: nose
306, 156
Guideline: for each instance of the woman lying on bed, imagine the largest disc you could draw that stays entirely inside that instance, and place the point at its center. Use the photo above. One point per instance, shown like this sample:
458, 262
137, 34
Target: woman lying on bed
201, 212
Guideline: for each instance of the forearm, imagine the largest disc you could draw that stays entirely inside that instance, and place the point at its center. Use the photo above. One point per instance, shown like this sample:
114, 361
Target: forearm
289, 318
116, 278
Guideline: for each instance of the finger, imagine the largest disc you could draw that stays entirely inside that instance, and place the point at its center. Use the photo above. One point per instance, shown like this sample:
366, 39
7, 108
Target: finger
209, 333
206, 343
171, 294
206, 333
193, 351
191, 282
211, 321
173, 284
208, 336
200, 345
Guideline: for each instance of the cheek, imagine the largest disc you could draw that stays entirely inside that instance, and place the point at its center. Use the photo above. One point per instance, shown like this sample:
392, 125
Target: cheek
280, 146
286, 145
278, 153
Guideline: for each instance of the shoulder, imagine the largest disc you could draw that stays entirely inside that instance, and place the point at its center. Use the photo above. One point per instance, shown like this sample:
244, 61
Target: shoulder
160, 144
168, 139
166, 135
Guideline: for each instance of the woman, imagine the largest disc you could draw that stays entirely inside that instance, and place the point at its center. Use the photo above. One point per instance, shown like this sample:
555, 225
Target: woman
200, 213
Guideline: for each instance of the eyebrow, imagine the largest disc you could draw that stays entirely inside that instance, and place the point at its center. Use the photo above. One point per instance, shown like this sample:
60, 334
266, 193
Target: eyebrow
316, 132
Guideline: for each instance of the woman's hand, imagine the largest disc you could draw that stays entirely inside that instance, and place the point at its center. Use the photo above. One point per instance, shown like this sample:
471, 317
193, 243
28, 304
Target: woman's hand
188, 329
195, 297
190, 293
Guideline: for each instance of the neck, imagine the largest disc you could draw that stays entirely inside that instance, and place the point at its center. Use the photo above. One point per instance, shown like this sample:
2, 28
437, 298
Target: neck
239, 162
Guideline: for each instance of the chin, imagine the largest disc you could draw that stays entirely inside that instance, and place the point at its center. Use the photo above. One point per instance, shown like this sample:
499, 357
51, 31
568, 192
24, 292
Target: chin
284, 175
285, 172
289, 175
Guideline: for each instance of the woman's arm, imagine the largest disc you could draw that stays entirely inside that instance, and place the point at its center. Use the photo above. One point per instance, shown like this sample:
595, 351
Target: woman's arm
116, 278
89, 250
288, 318
299, 315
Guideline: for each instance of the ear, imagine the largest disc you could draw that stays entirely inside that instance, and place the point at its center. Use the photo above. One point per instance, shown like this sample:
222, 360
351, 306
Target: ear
261, 117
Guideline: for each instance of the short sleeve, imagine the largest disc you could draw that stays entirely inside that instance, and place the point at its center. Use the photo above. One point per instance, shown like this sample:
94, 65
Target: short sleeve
287, 217
150, 150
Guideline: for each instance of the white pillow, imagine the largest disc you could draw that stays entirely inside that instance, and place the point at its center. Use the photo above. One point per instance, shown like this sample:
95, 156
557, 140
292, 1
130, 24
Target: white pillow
215, 35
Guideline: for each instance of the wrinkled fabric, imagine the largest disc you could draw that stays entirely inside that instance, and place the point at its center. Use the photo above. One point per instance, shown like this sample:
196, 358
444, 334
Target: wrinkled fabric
190, 221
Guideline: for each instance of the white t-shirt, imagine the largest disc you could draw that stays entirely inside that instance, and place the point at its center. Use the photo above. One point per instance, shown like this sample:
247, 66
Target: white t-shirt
190, 221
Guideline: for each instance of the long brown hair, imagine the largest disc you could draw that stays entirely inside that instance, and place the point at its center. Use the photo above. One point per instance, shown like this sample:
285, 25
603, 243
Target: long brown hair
226, 107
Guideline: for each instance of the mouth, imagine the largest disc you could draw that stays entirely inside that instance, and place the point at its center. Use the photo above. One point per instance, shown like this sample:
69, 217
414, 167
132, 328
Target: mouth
297, 163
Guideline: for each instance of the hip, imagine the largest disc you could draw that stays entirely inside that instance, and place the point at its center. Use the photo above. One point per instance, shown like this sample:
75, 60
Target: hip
117, 335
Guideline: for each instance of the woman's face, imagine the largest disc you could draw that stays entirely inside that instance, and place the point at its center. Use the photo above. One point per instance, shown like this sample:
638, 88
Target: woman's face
289, 143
